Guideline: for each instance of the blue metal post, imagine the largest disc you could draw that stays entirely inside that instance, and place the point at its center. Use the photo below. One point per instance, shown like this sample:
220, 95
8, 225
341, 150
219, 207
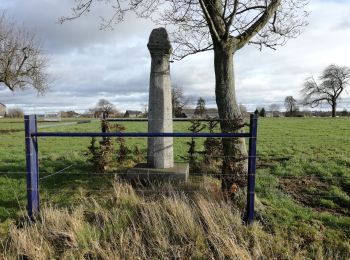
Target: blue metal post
32, 165
251, 168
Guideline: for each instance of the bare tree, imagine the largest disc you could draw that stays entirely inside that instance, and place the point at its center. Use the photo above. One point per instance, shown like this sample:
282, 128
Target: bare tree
179, 100
104, 106
144, 109
334, 80
224, 26
15, 112
274, 107
22, 63
291, 105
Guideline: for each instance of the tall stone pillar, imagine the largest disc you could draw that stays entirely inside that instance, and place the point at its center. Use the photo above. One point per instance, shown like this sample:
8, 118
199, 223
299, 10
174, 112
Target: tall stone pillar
160, 149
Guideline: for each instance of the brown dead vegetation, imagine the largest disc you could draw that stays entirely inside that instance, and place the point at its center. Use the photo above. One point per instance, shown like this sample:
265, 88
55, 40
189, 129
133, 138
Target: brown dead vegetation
124, 225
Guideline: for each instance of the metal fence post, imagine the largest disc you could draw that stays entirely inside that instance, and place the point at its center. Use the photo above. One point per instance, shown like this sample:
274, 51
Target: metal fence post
32, 165
251, 168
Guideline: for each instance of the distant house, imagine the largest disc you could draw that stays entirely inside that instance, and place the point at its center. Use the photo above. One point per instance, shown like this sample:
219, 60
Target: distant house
52, 117
2, 110
132, 113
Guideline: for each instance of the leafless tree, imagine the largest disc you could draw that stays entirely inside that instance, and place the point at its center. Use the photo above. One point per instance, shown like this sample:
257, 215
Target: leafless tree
334, 80
104, 106
274, 107
224, 26
179, 100
22, 63
144, 109
291, 105
15, 112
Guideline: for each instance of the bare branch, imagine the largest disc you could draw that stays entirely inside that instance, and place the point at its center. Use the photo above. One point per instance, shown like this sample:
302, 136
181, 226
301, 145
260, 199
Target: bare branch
230, 17
195, 51
259, 24
264, 23
81, 8
210, 22
252, 8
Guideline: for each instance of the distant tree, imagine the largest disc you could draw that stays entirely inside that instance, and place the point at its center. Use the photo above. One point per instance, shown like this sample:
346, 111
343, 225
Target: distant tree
178, 100
344, 112
262, 112
274, 107
22, 63
200, 109
333, 81
15, 112
256, 112
291, 105
92, 112
104, 106
144, 110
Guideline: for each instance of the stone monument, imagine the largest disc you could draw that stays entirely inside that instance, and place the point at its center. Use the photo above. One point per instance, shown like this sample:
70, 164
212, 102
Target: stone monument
160, 149
160, 158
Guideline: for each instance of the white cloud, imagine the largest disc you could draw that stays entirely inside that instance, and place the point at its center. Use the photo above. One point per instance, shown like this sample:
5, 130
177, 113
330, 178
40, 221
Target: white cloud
88, 64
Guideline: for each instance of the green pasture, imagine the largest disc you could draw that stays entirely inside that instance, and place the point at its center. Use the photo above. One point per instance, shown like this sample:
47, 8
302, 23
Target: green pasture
303, 173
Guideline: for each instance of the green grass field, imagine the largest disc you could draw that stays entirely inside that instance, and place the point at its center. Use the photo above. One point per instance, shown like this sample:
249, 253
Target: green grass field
303, 175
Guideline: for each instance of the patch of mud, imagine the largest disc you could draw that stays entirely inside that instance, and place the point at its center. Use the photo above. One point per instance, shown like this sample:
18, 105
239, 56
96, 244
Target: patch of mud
308, 191
269, 162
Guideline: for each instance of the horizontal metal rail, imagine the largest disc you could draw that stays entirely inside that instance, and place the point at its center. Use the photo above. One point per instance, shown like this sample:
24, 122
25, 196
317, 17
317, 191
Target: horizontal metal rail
68, 134
173, 119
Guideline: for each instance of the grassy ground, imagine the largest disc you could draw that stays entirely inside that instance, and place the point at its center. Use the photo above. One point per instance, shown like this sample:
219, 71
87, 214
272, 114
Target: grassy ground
303, 177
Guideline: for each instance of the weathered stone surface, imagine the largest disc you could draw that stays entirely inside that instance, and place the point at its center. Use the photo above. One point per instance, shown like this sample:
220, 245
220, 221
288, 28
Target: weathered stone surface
160, 149
158, 42
141, 173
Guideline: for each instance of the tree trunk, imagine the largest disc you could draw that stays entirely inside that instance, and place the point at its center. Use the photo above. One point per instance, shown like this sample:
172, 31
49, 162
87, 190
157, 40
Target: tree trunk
334, 108
234, 164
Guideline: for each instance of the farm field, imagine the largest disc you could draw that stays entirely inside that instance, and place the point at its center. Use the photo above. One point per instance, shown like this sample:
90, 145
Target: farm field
303, 175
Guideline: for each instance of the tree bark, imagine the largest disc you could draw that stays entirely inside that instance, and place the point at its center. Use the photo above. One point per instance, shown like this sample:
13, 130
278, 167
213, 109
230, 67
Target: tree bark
334, 108
234, 164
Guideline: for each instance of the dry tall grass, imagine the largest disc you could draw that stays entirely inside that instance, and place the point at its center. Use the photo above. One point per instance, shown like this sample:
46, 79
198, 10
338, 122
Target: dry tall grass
125, 225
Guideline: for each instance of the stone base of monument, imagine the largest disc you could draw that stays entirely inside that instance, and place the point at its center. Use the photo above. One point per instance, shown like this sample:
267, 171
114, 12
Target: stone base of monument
144, 175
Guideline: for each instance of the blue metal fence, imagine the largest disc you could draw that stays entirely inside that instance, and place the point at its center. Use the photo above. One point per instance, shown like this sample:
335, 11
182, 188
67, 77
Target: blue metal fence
32, 165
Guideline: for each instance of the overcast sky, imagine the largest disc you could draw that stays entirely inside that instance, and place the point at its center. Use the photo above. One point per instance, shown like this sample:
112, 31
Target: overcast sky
87, 64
